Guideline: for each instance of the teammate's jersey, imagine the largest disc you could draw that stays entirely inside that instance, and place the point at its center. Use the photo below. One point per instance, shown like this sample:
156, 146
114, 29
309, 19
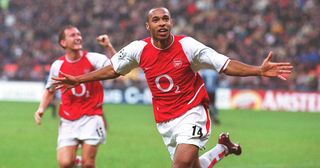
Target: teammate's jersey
86, 98
171, 73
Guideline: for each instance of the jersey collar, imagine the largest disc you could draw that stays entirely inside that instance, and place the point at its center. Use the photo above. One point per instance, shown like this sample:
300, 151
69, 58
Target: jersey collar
173, 38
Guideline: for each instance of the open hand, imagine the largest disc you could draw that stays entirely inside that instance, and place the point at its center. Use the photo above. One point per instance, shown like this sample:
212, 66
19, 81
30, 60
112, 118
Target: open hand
271, 69
66, 81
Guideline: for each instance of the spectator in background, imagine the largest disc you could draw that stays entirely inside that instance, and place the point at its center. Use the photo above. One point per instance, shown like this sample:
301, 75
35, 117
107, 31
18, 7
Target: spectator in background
82, 121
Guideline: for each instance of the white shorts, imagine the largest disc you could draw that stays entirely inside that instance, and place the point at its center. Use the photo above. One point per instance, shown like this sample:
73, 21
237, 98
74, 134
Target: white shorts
193, 127
88, 129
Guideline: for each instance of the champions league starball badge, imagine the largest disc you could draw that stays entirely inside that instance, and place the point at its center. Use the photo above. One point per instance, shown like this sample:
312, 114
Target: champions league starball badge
121, 54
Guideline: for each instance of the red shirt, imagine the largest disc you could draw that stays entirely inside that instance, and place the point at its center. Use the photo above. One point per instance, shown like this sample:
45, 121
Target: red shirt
171, 73
175, 87
86, 98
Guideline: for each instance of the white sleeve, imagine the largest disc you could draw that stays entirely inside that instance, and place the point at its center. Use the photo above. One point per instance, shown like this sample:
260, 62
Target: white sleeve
54, 72
98, 60
203, 57
128, 57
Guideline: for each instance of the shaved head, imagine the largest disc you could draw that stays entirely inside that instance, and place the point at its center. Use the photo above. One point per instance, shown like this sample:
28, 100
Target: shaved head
151, 11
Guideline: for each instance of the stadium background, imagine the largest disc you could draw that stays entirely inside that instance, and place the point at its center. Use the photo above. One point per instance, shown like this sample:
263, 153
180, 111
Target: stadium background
241, 29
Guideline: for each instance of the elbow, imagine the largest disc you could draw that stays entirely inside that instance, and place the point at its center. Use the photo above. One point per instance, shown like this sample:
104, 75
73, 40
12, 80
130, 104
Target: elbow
115, 75
112, 75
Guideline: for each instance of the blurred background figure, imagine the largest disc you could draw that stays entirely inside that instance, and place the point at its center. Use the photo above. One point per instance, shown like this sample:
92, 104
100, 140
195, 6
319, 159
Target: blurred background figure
211, 81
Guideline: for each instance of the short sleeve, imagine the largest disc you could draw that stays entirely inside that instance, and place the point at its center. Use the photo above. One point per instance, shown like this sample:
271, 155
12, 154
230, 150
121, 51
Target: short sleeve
128, 57
203, 57
98, 60
54, 72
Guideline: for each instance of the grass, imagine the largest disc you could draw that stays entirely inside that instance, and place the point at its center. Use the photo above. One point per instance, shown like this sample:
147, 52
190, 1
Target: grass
268, 139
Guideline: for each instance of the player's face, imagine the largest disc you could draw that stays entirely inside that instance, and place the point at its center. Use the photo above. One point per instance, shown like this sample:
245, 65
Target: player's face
72, 40
159, 24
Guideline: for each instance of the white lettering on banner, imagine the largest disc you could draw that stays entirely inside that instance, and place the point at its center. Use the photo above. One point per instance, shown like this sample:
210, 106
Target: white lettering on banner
291, 101
269, 101
284, 101
132, 95
158, 83
147, 97
113, 96
83, 91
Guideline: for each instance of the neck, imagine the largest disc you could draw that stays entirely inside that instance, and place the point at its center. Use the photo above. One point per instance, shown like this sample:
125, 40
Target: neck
163, 44
74, 55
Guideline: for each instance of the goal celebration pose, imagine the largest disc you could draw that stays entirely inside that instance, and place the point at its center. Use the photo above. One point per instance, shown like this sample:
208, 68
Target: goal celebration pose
180, 100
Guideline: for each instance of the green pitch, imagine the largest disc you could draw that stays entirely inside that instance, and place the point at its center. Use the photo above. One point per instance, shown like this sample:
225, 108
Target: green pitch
268, 139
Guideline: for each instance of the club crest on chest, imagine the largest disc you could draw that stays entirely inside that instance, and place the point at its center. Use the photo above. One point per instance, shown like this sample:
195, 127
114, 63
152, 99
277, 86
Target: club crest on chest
177, 63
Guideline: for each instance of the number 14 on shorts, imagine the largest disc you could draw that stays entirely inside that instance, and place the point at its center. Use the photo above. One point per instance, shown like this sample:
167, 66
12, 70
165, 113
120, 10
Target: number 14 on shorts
197, 131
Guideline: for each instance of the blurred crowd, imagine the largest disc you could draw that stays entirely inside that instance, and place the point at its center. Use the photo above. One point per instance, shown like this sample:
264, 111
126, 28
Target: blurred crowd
245, 30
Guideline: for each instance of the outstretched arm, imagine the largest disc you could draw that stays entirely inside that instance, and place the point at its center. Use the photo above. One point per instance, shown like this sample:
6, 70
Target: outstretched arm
101, 74
267, 69
69, 81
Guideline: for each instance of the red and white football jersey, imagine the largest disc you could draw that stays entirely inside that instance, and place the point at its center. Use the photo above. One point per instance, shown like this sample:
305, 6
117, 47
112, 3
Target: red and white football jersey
171, 73
86, 98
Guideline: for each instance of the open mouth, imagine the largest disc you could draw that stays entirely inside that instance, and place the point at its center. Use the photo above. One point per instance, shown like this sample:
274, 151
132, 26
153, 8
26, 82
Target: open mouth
163, 31
77, 42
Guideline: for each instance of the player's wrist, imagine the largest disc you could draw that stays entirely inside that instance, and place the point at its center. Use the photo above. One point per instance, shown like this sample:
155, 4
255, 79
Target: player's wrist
41, 110
77, 80
260, 71
108, 46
